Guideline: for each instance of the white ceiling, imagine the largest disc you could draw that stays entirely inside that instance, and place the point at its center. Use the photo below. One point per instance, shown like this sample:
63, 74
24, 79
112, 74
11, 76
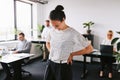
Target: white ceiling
40, 1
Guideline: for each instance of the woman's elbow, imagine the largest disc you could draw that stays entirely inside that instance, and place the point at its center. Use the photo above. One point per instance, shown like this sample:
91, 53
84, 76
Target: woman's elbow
90, 49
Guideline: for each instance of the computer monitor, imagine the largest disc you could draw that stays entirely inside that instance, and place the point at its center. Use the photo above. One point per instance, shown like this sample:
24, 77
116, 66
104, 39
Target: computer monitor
106, 49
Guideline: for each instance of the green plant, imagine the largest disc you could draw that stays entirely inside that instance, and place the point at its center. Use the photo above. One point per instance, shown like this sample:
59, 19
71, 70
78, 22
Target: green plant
16, 32
117, 42
88, 25
40, 28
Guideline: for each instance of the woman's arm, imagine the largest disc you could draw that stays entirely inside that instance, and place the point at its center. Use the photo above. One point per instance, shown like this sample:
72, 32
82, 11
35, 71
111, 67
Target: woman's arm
86, 50
48, 45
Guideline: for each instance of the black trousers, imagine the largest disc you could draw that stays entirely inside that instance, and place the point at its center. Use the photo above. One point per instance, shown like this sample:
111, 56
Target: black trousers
58, 71
107, 61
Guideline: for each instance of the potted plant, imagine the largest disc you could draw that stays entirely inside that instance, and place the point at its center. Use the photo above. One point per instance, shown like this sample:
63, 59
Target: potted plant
88, 25
117, 42
16, 32
40, 29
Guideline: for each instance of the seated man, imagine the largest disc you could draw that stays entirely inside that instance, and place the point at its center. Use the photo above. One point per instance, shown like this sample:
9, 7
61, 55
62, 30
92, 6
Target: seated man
22, 47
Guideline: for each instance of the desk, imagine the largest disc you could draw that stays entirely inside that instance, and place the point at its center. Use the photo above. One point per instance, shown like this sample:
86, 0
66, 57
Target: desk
16, 60
95, 53
41, 41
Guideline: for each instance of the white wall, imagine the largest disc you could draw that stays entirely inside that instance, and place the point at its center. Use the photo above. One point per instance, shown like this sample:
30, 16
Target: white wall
105, 14
38, 17
40, 13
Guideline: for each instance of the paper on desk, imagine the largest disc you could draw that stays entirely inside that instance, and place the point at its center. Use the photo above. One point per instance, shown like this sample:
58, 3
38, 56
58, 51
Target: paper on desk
21, 54
14, 57
95, 50
9, 58
97, 53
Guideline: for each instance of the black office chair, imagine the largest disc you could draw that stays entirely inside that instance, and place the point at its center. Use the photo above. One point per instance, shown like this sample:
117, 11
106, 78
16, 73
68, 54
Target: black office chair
24, 72
26, 61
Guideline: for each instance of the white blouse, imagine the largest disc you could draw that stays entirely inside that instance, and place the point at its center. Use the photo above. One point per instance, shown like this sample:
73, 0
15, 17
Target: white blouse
108, 42
64, 42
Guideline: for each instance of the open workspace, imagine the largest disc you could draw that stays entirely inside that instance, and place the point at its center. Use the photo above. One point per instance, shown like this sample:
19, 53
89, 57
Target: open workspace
59, 39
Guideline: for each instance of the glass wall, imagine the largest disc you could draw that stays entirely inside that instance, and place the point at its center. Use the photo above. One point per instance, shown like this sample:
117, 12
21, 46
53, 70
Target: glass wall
15, 16
23, 18
6, 20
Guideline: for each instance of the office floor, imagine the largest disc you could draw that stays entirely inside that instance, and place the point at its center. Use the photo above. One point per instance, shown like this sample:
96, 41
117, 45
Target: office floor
37, 69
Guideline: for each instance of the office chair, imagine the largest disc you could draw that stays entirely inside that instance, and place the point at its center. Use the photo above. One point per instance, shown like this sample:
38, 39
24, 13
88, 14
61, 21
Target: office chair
23, 72
26, 61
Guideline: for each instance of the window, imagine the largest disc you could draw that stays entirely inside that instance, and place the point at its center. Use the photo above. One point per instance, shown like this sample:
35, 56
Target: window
23, 17
6, 20
15, 16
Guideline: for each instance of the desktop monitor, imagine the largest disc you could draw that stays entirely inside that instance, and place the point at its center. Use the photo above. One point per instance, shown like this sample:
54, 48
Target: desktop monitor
106, 49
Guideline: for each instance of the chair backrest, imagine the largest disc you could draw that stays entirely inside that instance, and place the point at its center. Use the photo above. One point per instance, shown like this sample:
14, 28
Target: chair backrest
28, 59
106, 50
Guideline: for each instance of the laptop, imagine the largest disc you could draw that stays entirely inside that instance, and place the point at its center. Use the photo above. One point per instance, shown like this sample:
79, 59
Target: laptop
106, 50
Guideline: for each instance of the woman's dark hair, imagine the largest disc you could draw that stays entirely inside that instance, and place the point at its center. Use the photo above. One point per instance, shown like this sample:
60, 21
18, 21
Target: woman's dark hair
58, 13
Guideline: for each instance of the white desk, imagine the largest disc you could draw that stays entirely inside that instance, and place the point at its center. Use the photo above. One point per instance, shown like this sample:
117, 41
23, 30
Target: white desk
9, 58
16, 61
95, 53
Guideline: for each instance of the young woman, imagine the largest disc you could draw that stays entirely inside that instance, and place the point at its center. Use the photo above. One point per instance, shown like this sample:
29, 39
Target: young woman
63, 43
106, 60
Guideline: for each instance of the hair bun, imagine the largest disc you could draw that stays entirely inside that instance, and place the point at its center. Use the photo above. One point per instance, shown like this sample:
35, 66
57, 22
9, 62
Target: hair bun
59, 8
